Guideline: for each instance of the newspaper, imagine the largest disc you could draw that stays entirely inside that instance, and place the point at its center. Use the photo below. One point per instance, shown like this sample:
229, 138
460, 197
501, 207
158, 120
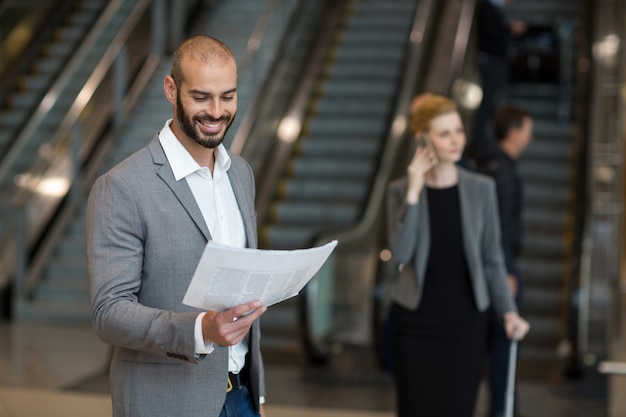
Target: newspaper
226, 276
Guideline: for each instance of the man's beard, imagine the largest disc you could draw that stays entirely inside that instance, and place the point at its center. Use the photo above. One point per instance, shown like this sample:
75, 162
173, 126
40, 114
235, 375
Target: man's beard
186, 124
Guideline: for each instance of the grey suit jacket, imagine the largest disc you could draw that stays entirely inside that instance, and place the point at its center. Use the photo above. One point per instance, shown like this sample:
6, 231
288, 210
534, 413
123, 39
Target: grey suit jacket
408, 230
144, 237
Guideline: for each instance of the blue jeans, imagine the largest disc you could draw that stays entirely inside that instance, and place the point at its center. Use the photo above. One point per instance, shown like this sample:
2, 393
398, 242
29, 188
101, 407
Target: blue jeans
239, 404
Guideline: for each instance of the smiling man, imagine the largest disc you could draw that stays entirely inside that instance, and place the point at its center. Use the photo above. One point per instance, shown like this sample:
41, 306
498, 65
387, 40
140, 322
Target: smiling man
148, 221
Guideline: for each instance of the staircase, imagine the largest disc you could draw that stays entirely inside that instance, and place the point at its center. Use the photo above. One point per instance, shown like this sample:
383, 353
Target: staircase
327, 179
549, 180
24, 94
62, 293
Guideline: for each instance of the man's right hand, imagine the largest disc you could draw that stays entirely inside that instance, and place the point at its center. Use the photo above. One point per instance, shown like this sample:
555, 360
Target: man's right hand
229, 327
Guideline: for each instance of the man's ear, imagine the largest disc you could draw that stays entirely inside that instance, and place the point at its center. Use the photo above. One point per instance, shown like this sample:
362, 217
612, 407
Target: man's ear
169, 88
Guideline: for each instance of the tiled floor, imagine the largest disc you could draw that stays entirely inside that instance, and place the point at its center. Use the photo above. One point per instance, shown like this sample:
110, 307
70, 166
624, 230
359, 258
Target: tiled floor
59, 371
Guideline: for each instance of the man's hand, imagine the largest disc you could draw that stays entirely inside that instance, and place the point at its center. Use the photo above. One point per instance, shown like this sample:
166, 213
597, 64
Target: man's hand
515, 325
229, 327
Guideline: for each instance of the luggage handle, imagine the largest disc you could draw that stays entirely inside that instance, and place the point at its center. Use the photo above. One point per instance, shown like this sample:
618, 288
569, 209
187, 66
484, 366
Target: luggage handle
510, 383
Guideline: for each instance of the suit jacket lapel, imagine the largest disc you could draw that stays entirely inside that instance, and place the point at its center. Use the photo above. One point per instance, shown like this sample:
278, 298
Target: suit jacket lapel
179, 188
246, 206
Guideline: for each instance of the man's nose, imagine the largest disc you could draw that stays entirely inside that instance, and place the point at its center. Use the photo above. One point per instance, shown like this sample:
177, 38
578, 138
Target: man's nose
214, 108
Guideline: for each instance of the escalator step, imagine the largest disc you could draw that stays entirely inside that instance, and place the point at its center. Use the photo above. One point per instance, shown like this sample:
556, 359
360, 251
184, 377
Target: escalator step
393, 35
58, 49
36, 82
331, 168
371, 90
390, 55
362, 68
545, 172
352, 106
69, 34
23, 101
541, 271
287, 237
318, 189
347, 126
48, 65
11, 119
351, 146
314, 213
544, 245
543, 219
539, 194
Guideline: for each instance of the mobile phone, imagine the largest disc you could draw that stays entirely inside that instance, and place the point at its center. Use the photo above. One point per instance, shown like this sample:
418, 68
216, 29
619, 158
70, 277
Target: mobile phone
425, 141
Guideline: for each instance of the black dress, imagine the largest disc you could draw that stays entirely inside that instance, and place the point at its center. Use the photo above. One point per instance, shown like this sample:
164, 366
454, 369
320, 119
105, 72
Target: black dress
440, 347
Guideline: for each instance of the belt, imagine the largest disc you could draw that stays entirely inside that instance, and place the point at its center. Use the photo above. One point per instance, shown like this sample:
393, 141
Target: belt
235, 381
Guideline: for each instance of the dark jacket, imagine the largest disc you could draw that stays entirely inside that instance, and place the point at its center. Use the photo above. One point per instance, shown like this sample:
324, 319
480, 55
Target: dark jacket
503, 169
492, 29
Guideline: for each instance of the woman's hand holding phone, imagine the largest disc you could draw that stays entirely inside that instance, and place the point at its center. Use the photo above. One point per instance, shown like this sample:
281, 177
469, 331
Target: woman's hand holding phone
422, 161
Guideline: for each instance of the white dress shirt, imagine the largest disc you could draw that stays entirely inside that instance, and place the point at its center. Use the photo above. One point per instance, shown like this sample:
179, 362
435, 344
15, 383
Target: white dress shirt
216, 200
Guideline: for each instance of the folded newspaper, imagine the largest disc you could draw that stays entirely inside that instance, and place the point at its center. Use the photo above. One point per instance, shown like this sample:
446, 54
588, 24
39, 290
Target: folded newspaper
226, 276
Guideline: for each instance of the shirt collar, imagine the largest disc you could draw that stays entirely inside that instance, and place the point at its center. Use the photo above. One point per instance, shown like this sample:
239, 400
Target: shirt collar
180, 159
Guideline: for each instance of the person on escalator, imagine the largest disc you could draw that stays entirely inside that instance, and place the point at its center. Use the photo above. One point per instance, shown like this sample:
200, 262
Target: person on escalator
148, 221
443, 229
513, 132
493, 33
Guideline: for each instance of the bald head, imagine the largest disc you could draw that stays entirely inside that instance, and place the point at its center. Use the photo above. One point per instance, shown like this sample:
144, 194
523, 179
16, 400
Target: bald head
208, 50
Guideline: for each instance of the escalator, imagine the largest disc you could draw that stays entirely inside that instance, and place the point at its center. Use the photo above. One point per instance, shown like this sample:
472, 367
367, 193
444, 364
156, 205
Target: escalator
66, 25
370, 60
543, 64
61, 292
33, 111
328, 176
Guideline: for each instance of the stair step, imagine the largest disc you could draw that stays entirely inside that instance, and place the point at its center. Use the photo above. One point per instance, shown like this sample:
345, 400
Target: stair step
544, 245
554, 150
60, 289
12, 119
23, 101
390, 36
543, 194
322, 189
336, 145
543, 330
314, 213
69, 34
67, 267
59, 311
541, 300
338, 89
545, 172
351, 106
352, 126
287, 237
362, 69
544, 219
331, 168
391, 54
547, 272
